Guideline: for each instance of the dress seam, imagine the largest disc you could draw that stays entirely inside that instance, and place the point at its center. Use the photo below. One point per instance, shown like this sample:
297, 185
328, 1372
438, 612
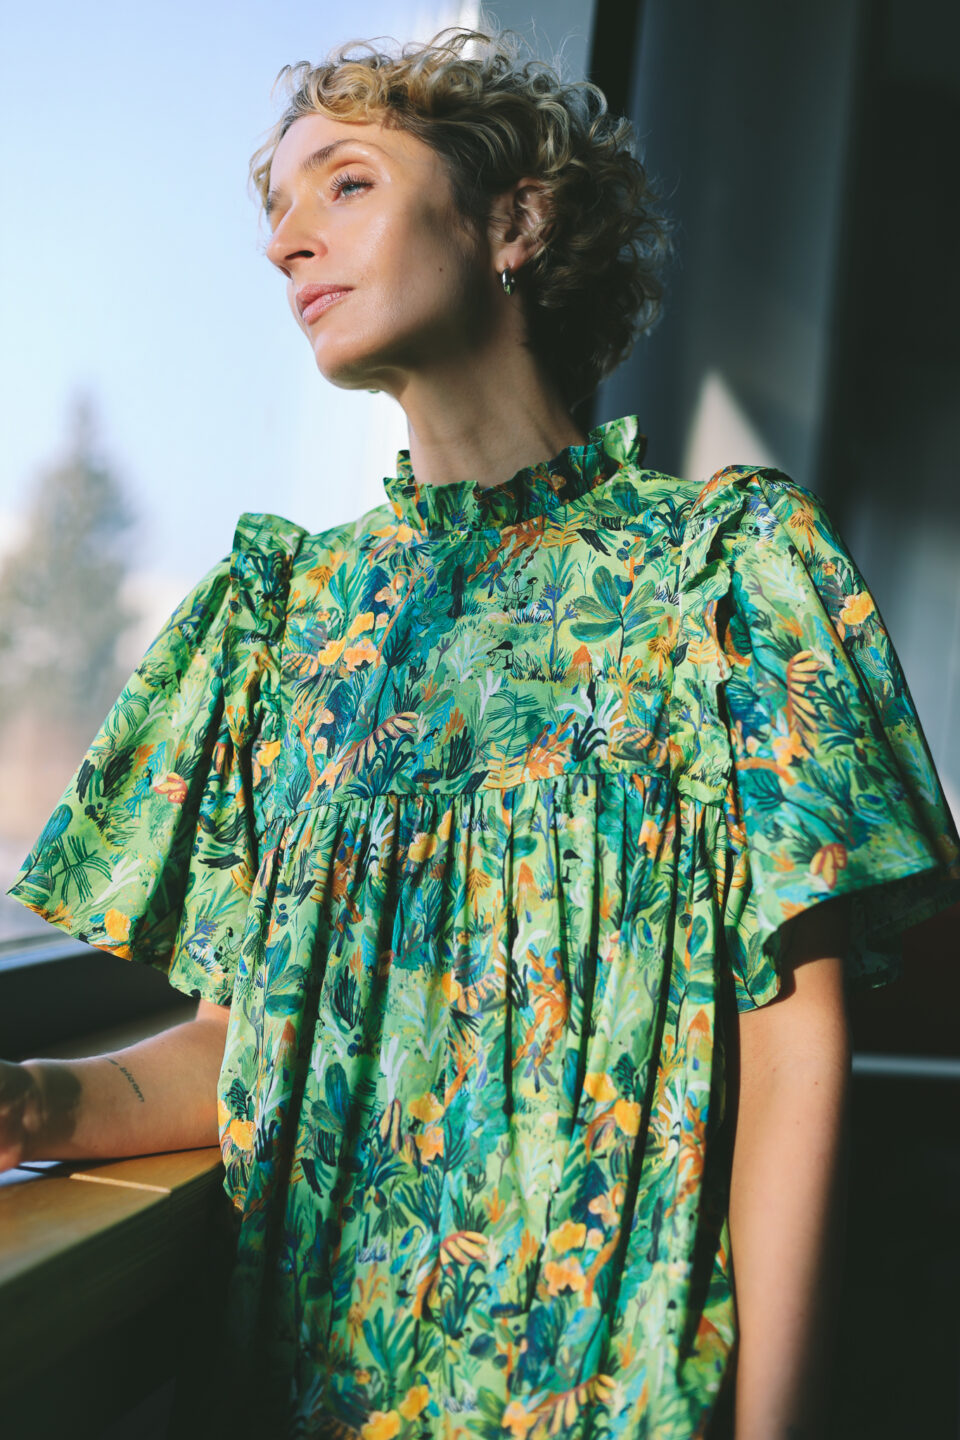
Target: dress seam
288, 817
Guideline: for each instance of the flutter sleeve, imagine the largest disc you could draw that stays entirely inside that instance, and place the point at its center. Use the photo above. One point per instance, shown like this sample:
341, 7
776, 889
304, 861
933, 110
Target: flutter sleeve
152, 851
832, 788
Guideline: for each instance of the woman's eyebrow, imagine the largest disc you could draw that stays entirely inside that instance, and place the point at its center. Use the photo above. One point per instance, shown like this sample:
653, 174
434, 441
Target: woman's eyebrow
316, 161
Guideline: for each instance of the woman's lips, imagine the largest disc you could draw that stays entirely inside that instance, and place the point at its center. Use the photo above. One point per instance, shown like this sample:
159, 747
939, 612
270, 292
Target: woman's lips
316, 307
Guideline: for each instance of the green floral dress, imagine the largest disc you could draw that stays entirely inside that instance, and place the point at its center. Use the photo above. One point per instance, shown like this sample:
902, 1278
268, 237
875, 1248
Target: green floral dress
484, 813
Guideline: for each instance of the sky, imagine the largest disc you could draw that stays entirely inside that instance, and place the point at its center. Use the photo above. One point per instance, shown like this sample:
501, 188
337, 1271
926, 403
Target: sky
128, 131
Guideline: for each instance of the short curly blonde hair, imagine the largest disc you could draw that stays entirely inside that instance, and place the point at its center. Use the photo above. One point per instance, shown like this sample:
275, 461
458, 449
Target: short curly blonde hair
596, 283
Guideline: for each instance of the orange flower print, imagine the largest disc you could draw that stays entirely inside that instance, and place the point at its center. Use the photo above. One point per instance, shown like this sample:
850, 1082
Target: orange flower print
788, 747
331, 652
627, 1115
172, 787
360, 624
517, 1419
450, 987
568, 1236
608, 1205
828, 861
117, 925
856, 608
241, 1132
382, 1425
426, 1107
599, 1086
422, 847
363, 653
263, 757
563, 1275
430, 1143
414, 1402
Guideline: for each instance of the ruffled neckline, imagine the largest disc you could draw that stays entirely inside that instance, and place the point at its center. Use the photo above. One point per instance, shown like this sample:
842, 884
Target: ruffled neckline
534, 490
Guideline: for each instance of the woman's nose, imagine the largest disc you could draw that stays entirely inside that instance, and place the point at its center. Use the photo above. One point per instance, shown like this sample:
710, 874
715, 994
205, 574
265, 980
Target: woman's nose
291, 240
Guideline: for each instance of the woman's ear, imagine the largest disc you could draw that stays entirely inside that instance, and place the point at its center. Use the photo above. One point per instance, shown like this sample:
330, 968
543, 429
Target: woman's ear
520, 222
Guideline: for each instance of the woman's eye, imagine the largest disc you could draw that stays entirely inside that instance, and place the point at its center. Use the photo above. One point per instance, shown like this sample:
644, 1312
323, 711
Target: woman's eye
345, 182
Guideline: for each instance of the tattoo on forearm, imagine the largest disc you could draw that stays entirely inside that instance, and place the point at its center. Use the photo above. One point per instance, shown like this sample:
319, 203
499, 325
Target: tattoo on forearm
126, 1072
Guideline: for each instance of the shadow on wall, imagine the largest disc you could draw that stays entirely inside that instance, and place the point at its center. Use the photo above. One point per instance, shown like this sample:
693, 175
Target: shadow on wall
812, 321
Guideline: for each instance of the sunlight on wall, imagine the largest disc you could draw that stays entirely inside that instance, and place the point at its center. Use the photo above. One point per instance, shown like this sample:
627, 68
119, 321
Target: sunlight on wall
720, 433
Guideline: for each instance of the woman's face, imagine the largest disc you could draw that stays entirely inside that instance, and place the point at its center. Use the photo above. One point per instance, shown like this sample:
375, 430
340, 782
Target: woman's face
374, 217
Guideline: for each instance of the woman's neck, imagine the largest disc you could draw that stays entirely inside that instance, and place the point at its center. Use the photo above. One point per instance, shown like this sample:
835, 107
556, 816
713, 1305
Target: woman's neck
485, 423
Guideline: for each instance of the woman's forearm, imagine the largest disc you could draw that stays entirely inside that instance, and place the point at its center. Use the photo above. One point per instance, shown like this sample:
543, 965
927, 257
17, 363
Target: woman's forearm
787, 1205
157, 1095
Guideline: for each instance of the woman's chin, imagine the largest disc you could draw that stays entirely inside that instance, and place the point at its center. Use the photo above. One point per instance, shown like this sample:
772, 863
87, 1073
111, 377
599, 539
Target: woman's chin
349, 372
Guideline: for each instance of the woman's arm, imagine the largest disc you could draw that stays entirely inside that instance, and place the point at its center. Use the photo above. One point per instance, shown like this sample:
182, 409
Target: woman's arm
159, 1094
788, 1184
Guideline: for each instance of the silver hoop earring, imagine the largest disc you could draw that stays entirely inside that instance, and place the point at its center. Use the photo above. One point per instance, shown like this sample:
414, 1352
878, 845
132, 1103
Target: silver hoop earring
508, 280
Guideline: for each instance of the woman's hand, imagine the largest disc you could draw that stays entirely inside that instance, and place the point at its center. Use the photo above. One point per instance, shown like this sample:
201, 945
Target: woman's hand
21, 1114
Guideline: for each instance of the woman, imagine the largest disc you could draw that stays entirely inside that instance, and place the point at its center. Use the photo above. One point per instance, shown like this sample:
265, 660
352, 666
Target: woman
517, 838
